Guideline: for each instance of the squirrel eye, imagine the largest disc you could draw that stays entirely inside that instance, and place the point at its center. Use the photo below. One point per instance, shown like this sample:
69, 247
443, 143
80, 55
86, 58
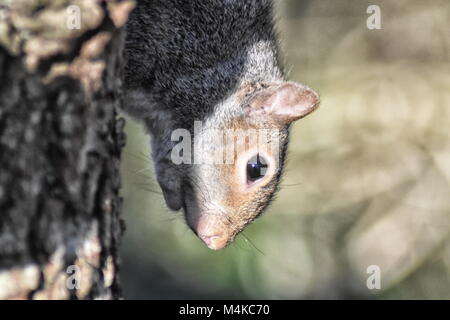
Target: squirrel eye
256, 168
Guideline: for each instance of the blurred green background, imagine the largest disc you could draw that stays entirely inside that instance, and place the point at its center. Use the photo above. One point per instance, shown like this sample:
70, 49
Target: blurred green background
367, 180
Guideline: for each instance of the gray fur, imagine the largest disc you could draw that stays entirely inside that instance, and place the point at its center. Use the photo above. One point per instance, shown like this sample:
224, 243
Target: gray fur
188, 56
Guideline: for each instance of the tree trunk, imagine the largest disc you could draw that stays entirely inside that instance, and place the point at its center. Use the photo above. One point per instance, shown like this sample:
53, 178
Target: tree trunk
60, 144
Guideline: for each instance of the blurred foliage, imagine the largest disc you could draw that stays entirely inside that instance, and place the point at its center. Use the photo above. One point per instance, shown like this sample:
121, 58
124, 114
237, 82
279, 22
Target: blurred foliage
367, 182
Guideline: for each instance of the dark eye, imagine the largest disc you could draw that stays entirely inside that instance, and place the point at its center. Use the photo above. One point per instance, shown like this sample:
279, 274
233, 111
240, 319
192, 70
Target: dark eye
256, 168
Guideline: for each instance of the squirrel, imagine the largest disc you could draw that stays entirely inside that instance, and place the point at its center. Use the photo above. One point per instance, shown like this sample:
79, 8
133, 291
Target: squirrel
217, 62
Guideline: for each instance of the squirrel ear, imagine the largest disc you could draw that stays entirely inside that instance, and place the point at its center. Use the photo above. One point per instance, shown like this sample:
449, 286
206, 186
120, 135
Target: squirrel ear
284, 102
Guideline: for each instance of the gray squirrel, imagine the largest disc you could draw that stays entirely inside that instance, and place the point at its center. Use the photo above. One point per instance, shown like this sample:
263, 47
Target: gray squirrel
214, 61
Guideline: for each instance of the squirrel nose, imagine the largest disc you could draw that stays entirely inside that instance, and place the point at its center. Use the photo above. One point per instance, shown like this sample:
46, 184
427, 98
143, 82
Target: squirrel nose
211, 230
215, 241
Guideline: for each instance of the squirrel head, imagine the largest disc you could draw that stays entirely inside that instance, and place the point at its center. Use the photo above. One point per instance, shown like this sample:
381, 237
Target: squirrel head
227, 173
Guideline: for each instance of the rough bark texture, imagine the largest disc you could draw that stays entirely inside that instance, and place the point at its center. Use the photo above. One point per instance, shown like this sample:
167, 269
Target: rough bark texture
60, 143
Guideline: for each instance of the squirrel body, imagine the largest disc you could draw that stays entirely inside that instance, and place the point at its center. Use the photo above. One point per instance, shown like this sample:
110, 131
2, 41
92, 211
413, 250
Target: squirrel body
214, 61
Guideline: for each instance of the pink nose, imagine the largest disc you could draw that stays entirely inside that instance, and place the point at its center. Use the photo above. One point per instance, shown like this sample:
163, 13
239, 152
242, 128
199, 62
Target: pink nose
215, 241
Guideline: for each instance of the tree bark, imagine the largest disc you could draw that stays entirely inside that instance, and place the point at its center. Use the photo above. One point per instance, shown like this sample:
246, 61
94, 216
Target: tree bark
60, 144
